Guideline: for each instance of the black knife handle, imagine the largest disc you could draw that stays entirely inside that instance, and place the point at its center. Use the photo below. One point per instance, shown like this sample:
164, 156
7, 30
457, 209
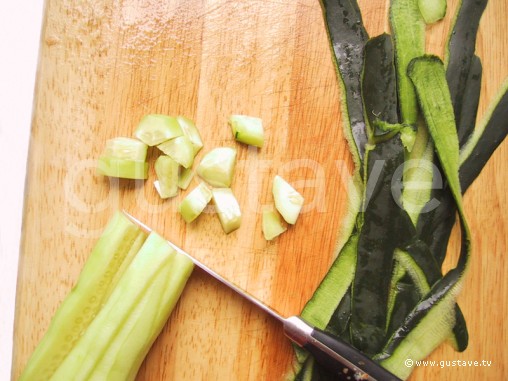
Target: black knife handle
337, 356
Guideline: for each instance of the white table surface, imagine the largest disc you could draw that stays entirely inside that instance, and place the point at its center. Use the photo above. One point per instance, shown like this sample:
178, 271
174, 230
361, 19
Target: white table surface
20, 30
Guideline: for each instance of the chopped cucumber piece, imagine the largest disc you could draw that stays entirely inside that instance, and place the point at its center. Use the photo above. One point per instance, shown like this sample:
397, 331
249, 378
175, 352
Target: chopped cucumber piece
247, 129
117, 340
155, 129
217, 167
126, 169
125, 148
272, 225
227, 209
195, 202
185, 177
167, 175
287, 200
110, 257
124, 157
432, 10
191, 131
180, 149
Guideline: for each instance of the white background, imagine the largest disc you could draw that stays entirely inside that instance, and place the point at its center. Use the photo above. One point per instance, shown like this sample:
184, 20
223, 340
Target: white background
20, 30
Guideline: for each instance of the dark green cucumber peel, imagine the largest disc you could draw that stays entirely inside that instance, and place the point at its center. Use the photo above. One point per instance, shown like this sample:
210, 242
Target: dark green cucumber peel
435, 226
348, 38
379, 88
461, 48
463, 75
466, 121
375, 246
427, 74
431, 269
406, 298
441, 297
494, 133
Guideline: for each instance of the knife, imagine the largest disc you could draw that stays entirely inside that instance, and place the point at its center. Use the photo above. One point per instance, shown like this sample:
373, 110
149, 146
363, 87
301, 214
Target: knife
338, 357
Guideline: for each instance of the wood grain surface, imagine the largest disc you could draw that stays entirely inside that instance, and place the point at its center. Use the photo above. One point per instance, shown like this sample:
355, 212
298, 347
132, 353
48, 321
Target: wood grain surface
104, 64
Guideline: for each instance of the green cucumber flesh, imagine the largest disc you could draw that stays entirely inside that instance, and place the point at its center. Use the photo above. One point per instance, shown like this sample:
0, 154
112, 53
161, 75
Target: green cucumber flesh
227, 208
247, 129
112, 253
180, 149
126, 149
272, 225
217, 167
122, 168
191, 131
153, 129
132, 303
288, 201
432, 10
166, 170
185, 177
195, 202
408, 30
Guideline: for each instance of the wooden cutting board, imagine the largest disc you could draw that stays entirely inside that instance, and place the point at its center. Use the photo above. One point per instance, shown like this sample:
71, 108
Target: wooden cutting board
104, 64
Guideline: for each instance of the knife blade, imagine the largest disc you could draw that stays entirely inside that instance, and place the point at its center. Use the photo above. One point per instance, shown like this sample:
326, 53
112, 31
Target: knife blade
341, 359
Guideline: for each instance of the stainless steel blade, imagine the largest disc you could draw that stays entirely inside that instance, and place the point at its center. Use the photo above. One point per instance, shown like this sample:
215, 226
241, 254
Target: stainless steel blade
216, 275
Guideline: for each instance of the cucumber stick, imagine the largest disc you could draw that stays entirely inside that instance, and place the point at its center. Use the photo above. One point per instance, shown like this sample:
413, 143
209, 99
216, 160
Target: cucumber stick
114, 251
112, 348
106, 325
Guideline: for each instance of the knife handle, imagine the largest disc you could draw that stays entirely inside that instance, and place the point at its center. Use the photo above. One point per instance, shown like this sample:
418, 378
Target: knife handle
337, 356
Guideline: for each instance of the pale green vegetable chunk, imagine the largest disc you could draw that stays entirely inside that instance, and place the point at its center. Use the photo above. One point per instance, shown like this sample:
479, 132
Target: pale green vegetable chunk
122, 168
272, 225
180, 149
195, 202
247, 129
432, 10
167, 175
217, 167
125, 158
287, 200
185, 177
227, 209
125, 148
190, 130
154, 129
